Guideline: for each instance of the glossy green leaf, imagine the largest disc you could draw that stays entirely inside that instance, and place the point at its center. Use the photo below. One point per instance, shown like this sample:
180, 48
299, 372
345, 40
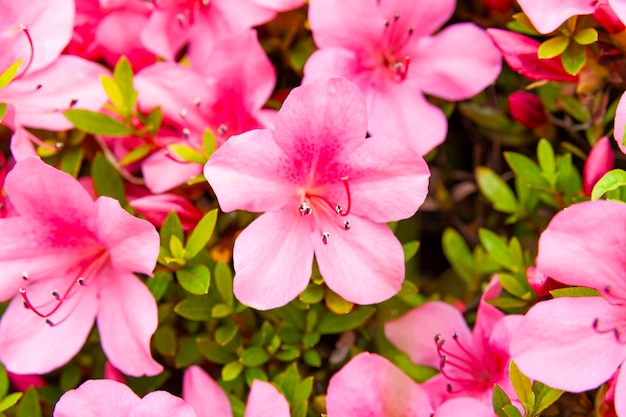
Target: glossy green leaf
521, 384
214, 352
164, 340
72, 159
254, 356
136, 154
331, 323
586, 36
29, 404
176, 248
3, 110
9, 74
300, 399
410, 250
70, 377
187, 354
106, 180
312, 358
187, 153
553, 47
232, 370
209, 144
195, 279
226, 333
516, 285
544, 396
612, 180
98, 123
575, 292
10, 400
547, 160
496, 247
4, 381
252, 374
526, 169
288, 354
458, 254
115, 95
224, 282
153, 121
313, 294
171, 227
194, 308
499, 401
574, 58
201, 234
496, 190
221, 310
123, 75
159, 283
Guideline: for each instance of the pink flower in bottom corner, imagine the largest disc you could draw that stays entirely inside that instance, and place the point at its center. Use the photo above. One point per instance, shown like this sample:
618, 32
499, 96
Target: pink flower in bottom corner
577, 343
209, 399
471, 362
103, 398
70, 261
325, 190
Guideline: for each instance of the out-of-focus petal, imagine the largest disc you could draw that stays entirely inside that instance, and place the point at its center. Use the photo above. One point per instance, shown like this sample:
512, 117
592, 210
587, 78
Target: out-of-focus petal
204, 394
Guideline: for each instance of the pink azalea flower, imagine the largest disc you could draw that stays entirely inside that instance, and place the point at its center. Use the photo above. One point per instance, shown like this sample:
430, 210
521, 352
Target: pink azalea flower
548, 15
209, 399
466, 407
520, 53
471, 362
103, 397
540, 282
23, 382
70, 262
600, 161
620, 123
370, 385
576, 344
201, 23
386, 48
326, 190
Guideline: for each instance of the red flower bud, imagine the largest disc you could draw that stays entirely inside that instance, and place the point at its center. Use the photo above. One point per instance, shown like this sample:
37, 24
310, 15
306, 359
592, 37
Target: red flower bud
527, 109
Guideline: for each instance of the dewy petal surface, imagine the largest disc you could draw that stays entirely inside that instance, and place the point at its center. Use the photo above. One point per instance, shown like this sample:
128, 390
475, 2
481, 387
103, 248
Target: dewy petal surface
127, 318
581, 246
273, 259
370, 385
97, 398
556, 343
365, 264
204, 394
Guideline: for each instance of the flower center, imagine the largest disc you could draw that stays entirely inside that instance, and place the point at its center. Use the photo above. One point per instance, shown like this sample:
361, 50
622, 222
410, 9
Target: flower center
48, 307
464, 371
306, 208
189, 9
393, 41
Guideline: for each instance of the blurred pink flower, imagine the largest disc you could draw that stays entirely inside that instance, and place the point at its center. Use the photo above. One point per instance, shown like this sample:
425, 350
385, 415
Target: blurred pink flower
70, 261
103, 397
527, 109
471, 362
620, 123
520, 53
23, 382
540, 282
386, 48
577, 343
370, 385
309, 174
599, 161
209, 400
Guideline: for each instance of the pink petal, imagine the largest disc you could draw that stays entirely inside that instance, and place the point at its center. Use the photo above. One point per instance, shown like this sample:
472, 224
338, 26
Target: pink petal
520, 53
161, 403
162, 173
581, 246
204, 394
273, 258
557, 344
365, 264
49, 24
620, 123
21, 144
280, 5
97, 398
547, 15
250, 172
370, 385
265, 401
337, 62
487, 315
32, 182
620, 392
599, 161
414, 333
323, 121
374, 189
464, 406
41, 97
402, 112
163, 35
463, 45
133, 244
619, 7
28, 345
127, 319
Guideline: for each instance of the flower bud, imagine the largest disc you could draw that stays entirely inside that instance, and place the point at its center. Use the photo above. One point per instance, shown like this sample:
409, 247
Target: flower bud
527, 109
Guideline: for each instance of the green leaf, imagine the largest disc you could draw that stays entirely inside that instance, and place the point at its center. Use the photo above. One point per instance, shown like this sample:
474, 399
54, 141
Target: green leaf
232, 370
153, 121
208, 143
331, 323
115, 95
545, 397
226, 333
201, 234
98, 123
9, 74
187, 153
29, 405
547, 161
4, 381
410, 249
500, 400
458, 254
252, 374
336, 303
106, 180
3, 110
612, 180
313, 294
176, 248
70, 377
575, 292
526, 169
9, 401
575, 108
300, 399
586, 36
159, 283
195, 279
72, 159
574, 58
214, 352
171, 227
123, 75
187, 354
497, 248
196, 308
288, 354
511, 411
164, 340
136, 154
221, 310
553, 47
522, 386
496, 190
254, 356
312, 358
224, 283
518, 286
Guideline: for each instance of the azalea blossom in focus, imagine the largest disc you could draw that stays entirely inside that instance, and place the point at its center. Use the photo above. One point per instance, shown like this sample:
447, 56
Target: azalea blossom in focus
325, 190
68, 261
103, 397
386, 48
576, 344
